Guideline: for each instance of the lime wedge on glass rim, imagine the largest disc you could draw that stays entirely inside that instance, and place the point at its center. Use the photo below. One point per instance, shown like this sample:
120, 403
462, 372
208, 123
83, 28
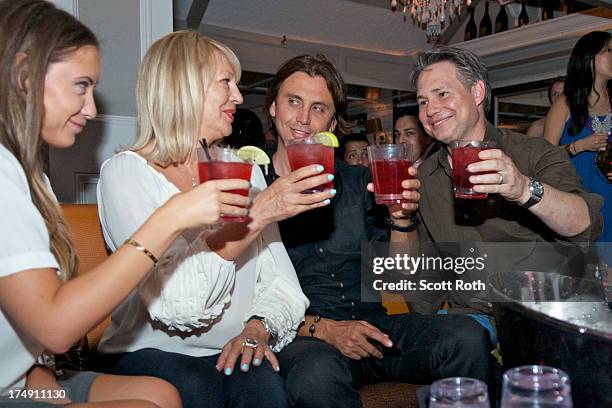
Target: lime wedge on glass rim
255, 155
327, 139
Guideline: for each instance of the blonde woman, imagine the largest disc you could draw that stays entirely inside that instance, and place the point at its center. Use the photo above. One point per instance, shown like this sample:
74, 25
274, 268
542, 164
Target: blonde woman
49, 67
218, 305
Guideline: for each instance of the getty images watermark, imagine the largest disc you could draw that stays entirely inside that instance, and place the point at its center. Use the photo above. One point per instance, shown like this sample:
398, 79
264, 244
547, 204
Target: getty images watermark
482, 273
404, 264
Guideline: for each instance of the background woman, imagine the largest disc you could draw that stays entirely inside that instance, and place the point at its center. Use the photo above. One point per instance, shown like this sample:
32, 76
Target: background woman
49, 66
581, 120
216, 303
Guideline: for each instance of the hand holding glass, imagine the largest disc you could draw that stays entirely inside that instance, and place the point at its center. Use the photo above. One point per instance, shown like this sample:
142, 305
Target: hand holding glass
223, 164
389, 165
464, 153
308, 150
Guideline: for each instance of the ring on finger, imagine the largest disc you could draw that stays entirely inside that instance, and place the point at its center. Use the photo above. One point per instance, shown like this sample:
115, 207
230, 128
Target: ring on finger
501, 179
250, 342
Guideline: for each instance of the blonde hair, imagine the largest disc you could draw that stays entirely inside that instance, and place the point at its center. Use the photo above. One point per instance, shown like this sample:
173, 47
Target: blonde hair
40, 34
171, 93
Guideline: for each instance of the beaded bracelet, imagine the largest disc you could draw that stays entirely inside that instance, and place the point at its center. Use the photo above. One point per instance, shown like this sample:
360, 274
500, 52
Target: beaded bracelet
142, 249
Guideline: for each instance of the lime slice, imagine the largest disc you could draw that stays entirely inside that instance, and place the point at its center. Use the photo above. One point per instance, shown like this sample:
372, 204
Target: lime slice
255, 155
327, 138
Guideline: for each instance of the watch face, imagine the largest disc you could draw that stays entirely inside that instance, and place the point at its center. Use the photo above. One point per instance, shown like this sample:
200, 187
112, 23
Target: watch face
538, 188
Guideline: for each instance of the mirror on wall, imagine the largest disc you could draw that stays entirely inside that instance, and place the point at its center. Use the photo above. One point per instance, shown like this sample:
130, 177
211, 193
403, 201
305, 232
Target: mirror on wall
517, 107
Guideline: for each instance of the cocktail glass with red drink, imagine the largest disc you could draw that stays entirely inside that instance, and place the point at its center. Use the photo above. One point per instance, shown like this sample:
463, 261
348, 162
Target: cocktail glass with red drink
309, 150
222, 163
463, 153
389, 165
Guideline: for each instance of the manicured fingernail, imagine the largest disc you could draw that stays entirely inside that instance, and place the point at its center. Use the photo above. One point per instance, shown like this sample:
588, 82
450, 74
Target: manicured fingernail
277, 369
228, 371
333, 191
330, 177
244, 367
326, 201
319, 168
218, 368
256, 362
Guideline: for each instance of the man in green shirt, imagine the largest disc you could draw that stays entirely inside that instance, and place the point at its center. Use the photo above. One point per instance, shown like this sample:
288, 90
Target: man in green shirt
534, 192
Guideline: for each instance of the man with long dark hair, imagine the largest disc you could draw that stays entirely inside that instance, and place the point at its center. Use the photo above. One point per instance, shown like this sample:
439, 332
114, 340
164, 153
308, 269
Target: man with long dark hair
346, 342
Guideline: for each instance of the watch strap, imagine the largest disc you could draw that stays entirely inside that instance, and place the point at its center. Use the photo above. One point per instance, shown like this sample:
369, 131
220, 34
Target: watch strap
408, 228
537, 191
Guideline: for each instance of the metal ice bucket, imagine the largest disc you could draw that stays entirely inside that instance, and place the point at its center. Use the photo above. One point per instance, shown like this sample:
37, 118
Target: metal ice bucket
560, 321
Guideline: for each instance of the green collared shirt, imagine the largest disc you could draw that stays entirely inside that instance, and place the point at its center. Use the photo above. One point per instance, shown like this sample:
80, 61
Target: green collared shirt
443, 219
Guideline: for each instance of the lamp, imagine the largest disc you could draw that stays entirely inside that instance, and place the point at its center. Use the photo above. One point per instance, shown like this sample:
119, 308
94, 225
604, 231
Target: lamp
431, 13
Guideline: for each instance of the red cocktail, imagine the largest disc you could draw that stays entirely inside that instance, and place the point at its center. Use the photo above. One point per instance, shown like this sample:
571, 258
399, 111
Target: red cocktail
389, 165
304, 152
463, 153
221, 169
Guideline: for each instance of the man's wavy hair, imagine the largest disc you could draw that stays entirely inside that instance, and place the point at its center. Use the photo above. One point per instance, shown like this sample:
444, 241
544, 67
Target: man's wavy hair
313, 65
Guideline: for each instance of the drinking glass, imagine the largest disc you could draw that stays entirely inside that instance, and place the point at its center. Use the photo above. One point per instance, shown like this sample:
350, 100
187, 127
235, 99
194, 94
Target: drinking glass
463, 153
222, 163
306, 151
458, 392
389, 166
536, 386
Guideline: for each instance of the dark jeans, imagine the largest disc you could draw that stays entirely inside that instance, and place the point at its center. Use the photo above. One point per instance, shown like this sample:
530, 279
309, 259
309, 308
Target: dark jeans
432, 347
198, 381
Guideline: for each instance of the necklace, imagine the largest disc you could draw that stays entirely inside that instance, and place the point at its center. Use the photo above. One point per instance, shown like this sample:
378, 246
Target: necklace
598, 126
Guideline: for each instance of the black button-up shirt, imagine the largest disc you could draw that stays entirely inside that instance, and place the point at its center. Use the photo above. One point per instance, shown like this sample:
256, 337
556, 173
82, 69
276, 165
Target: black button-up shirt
325, 245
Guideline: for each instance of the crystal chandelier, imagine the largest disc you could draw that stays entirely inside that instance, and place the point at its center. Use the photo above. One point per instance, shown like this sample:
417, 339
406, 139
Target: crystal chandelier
431, 13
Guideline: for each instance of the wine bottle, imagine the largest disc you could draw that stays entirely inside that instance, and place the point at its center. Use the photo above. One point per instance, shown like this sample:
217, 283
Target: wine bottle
547, 10
501, 21
470, 28
523, 18
485, 27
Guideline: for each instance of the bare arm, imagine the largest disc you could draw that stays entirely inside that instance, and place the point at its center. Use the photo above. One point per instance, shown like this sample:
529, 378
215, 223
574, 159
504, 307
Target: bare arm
536, 129
556, 117
57, 314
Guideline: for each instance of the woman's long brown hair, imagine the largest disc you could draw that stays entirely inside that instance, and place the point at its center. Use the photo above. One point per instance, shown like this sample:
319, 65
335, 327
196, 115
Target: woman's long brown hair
33, 34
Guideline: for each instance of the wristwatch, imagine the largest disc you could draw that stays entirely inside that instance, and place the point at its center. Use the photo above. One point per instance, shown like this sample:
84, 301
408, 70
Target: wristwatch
268, 327
537, 191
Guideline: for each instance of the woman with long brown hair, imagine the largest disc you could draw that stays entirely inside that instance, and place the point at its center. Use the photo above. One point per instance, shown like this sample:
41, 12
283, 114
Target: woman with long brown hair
49, 67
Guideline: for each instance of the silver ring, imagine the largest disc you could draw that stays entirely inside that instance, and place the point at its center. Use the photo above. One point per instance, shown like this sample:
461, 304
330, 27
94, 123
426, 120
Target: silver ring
501, 179
250, 342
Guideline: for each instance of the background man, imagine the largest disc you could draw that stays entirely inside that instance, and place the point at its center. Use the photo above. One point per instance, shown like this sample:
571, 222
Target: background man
354, 149
408, 130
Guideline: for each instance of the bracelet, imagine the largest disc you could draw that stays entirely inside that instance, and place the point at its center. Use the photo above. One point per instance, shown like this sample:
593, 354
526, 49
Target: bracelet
313, 326
408, 228
142, 249
568, 149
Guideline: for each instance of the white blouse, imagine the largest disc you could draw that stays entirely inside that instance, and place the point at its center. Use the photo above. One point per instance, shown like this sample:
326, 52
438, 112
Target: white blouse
24, 245
193, 301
